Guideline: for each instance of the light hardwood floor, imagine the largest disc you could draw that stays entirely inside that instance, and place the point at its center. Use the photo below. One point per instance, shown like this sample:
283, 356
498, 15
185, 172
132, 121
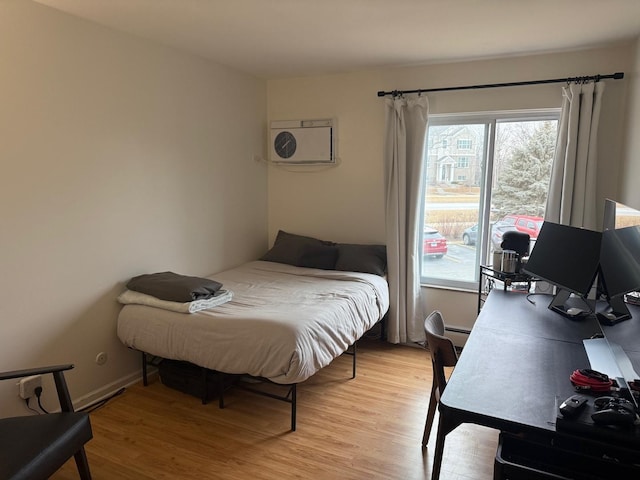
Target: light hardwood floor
369, 427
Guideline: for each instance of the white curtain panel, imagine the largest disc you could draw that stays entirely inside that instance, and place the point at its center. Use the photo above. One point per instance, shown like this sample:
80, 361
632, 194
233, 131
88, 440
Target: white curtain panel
406, 128
572, 190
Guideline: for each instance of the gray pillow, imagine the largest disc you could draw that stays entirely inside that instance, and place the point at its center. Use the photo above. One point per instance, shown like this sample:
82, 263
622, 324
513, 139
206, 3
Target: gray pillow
300, 251
362, 258
321, 256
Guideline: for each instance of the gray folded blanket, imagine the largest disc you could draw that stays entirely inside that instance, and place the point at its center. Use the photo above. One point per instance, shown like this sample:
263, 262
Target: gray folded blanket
174, 287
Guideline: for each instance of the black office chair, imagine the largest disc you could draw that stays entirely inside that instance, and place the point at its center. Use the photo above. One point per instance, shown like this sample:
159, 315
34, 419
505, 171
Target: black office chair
443, 354
34, 447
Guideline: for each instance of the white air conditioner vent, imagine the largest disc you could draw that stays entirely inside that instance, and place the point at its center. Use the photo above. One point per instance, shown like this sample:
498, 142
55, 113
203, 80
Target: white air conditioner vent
303, 141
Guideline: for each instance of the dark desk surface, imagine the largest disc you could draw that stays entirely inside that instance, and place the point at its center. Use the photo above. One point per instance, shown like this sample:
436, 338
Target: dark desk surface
517, 361
512, 313
514, 372
626, 333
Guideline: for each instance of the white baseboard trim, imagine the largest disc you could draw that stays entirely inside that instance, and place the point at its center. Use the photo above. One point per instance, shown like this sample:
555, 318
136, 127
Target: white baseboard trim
108, 390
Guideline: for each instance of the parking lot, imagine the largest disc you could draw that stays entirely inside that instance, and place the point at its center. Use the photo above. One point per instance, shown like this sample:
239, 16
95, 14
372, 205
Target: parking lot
459, 263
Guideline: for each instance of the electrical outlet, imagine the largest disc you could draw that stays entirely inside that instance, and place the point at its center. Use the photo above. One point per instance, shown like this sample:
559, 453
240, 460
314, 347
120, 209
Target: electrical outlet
27, 386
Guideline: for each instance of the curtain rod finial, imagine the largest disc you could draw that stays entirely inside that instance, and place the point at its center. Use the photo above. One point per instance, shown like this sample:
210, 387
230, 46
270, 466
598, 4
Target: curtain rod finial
618, 75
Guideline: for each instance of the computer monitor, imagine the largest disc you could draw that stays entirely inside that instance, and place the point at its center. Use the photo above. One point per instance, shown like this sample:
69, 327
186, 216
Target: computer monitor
568, 258
619, 271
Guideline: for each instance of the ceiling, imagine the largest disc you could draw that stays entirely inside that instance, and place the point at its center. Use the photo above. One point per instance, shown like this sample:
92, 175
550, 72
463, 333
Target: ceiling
285, 38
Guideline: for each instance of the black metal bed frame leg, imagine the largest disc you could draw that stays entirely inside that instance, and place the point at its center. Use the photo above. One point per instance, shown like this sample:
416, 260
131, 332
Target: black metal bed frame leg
294, 396
221, 386
354, 359
145, 381
383, 327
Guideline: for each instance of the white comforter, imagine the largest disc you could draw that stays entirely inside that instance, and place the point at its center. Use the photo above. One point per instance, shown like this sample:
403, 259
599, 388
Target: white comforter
284, 323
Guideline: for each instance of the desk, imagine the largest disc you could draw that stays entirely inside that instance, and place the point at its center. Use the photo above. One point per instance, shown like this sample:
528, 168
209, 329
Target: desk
516, 365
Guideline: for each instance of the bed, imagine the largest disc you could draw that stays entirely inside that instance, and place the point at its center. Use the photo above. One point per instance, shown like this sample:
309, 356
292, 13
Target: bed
283, 324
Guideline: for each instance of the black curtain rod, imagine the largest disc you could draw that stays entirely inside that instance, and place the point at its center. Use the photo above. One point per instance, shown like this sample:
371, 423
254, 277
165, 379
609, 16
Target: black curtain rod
595, 78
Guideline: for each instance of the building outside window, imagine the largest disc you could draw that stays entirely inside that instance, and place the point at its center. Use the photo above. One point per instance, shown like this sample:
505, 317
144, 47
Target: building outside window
500, 183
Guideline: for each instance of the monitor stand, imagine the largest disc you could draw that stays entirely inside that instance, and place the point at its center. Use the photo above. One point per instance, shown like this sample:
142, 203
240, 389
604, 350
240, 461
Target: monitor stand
615, 312
561, 303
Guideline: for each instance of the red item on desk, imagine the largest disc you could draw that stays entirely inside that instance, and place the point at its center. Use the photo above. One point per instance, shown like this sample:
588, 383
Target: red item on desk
586, 379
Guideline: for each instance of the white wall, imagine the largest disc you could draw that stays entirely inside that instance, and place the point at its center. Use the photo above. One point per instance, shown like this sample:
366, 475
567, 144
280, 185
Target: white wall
118, 157
630, 178
346, 203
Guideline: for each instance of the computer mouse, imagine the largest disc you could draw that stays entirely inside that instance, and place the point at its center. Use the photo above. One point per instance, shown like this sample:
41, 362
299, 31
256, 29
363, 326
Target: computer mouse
610, 315
574, 311
572, 405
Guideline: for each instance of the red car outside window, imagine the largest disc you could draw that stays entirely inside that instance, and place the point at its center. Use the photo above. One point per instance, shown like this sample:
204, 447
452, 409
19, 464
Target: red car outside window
433, 244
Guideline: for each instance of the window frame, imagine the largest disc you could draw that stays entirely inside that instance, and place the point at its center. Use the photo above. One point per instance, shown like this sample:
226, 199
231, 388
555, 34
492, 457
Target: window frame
490, 119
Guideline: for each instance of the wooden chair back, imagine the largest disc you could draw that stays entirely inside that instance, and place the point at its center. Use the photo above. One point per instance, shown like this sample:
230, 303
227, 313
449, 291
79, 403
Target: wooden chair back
443, 352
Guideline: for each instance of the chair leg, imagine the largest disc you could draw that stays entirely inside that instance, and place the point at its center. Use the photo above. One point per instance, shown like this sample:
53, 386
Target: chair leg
431, 413
437, 457
83, 464
446, 425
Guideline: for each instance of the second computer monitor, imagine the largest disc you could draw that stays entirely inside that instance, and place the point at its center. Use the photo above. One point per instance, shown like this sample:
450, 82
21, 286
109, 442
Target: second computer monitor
619, 270
568, 258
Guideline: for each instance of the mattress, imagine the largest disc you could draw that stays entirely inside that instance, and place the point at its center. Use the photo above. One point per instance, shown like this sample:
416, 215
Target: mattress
284, 323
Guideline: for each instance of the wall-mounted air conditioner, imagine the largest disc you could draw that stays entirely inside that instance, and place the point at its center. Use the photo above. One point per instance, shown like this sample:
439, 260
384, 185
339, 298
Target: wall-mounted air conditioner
303, 141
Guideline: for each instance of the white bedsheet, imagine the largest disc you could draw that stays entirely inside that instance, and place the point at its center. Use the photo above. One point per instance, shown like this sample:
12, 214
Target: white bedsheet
284, 323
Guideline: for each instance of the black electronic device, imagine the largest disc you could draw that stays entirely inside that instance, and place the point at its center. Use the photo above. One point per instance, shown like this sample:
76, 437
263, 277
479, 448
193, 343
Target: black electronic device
613, 416
567, 257
613, 411
516, 241
604, 402
619, 271
573, 405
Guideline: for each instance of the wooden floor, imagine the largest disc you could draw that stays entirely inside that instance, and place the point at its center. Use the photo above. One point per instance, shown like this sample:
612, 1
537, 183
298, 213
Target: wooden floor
369, 428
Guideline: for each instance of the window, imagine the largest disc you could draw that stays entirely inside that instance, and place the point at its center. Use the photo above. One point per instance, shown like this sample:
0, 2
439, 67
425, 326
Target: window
464, 144
503, 187
462, 162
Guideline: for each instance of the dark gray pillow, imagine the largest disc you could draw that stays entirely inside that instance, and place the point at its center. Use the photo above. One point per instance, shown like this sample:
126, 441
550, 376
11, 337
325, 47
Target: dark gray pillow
362, 258
290, 248
321, 256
